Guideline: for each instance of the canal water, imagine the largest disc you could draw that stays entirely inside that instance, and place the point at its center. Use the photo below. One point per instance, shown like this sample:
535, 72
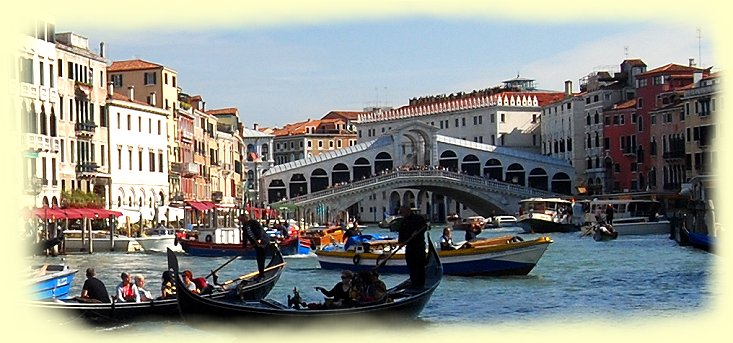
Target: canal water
631, 279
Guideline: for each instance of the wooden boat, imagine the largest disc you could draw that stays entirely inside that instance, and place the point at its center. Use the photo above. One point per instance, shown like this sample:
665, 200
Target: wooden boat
604, 232
158, 240
401, 302
226, 242
50, 281
631, 216
543, 215
249, 288
505, 255
698, 225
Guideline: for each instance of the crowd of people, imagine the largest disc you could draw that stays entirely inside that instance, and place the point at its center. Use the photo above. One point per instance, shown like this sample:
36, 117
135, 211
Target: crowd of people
95, 291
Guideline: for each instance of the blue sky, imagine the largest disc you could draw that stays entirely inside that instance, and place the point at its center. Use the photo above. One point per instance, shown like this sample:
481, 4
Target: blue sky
281, 73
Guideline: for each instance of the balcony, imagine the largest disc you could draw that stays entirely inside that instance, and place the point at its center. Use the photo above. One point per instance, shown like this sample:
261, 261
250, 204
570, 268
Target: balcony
217, 196
86, 170
186, 169
85, 129
28, 90
36, 142
674, 155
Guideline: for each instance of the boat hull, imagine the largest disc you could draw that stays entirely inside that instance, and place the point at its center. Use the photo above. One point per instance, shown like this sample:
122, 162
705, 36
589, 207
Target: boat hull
531, 225
55, 285
642, 228
516, 258
197, 248
158, 243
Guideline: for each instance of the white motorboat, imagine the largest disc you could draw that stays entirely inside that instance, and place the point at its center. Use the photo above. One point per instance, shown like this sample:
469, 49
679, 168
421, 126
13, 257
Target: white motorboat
631, 216
158, 240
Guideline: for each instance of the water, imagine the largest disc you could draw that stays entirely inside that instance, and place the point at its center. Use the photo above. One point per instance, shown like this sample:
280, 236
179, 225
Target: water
631, 278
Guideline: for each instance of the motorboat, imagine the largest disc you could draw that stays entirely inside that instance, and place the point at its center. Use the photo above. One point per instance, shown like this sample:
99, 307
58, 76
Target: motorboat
544, 215
158, 240
50, 281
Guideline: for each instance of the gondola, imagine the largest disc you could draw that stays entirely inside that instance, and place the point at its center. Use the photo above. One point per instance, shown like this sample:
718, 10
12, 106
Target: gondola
403, 302
249, 289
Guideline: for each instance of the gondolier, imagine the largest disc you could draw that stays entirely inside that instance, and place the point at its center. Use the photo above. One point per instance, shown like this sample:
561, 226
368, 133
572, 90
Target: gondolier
412, 234
255, 235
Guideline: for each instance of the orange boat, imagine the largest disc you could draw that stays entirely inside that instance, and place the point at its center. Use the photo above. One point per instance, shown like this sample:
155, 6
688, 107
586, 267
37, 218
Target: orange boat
321, 237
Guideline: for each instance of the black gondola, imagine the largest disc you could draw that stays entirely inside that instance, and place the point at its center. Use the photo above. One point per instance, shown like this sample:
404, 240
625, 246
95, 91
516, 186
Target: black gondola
248, 289
402, 303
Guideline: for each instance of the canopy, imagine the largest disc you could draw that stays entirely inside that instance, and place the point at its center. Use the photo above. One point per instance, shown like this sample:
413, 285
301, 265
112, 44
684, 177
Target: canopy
54, 213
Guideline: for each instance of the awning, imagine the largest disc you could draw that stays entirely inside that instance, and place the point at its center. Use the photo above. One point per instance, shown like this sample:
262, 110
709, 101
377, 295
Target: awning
48, 213
73, 213
199, 206
210, 204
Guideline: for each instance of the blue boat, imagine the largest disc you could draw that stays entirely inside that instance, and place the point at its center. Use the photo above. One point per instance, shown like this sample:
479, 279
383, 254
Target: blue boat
51, 281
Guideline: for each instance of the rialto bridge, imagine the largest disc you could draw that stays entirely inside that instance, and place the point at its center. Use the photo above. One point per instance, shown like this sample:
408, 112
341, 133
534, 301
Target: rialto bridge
414, 165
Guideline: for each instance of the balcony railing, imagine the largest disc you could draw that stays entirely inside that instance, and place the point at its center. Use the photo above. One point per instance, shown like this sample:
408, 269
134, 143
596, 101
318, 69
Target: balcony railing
85, 129
34, 141
674, 155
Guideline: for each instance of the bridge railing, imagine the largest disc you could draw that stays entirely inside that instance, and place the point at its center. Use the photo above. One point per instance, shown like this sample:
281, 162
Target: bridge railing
495, 184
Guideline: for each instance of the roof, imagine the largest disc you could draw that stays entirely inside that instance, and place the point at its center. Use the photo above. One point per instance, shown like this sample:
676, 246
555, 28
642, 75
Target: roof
132, 65
671, 68
249, 133
636, 62
351, 115
626, 104
228, 110
125, 97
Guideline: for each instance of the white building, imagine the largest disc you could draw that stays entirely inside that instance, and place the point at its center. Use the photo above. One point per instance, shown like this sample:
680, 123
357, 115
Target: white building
257, 160
138, 157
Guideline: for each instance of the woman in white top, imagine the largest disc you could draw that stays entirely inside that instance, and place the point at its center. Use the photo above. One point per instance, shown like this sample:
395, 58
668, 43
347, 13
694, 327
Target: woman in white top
144, 294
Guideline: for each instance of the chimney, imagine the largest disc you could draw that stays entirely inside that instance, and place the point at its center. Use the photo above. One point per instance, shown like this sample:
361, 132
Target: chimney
255, 126
692, 61
101, 49
131, 89
568, 88
110, 88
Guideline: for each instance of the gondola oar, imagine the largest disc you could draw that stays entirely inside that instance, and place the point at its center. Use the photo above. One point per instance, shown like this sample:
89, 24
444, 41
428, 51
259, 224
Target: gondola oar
213, 272
247, 276
414, 234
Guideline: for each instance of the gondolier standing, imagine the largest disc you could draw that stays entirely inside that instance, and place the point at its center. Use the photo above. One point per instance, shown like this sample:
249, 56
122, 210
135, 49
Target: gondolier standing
412, 234
255, 235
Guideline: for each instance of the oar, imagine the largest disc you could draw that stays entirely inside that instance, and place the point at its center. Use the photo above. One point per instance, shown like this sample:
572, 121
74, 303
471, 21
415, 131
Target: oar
414, 234
247, 276
221, 266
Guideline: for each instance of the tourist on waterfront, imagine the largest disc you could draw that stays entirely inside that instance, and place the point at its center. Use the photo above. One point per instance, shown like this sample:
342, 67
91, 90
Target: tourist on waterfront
168, 287
143, 294
412, 235
126, 290
341, 292
256, 235
446, 240
188, 281
94, 290
609, 214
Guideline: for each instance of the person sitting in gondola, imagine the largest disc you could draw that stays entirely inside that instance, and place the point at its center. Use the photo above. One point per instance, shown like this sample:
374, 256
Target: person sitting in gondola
127, 291
144, 295
168, 287
371, 288
188, 281
446, 240
341, 292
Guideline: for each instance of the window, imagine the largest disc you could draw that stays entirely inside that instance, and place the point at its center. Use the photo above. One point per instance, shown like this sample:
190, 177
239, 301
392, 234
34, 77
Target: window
139, 124
150, 125
50, 75
103, 155
103, 119
70, 70
60, 64
152, 161
174, 81
40, 73
160, 162
463, 121
150, 78
493, 117
117, 80
129, 153
129, 123
456, 122
503, 118
140, 160
639, 103
165, 78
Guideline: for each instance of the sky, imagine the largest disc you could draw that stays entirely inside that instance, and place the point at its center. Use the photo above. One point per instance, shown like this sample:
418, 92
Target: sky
282, 73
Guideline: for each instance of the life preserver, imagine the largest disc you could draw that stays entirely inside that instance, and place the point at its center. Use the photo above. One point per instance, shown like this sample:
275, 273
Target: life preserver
356, 259
208, 238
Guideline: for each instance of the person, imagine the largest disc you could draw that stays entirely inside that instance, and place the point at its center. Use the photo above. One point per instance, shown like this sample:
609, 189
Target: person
341, 292
412, 235
609, 214
372, 289
446, 240
94, 290
472, 231
168, 287
188, 281
144, 295
127, 291
254, 234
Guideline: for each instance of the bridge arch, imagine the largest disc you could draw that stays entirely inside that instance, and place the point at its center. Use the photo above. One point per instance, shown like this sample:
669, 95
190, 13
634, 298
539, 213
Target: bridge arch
319, 180
471, 165
449, 160
394, 202
409, 199
298, 185
561, 183
340, 173
276, 190
537, 179
383, 161
362, 169
515, 173
493, 170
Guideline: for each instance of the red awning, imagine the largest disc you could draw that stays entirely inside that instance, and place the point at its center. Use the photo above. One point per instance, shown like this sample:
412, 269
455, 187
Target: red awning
48, 213
72, 213
199, 206
210, 204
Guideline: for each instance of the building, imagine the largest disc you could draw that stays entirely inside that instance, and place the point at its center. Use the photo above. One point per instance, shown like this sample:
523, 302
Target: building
257, 160
229, 192
83, 120
702, 107
138, 158
37, 106
311, 138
